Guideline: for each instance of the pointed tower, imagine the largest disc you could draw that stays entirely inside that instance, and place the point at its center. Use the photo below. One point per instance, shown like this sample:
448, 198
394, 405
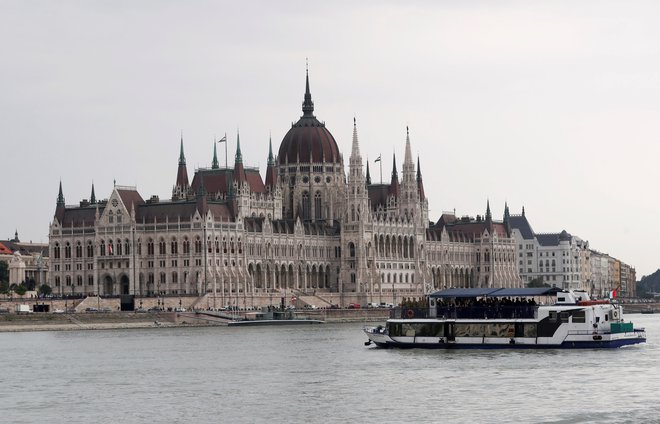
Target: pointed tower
355, 235
506, 219
240, 186
420, 184
92, 197
215, 164
409, 198
489, 217
368, 175
60, 207
423, 201
395, 189
180, 190
271, 171
239, 171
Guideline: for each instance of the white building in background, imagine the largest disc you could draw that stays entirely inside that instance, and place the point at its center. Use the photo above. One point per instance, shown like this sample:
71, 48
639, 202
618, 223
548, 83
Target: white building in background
557, 259
27, 262
306, 229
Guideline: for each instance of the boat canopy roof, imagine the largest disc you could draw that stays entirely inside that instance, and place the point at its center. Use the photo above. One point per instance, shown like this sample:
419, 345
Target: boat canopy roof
497, 292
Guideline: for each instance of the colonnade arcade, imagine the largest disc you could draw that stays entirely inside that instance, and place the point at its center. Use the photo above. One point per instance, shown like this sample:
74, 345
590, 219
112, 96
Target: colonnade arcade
278, 276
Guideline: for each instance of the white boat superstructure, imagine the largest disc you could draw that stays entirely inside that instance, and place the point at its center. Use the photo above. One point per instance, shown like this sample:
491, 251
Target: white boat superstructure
507, 318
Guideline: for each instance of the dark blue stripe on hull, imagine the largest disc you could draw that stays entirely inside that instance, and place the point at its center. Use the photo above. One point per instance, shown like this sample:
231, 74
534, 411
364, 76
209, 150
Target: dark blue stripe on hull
566, 345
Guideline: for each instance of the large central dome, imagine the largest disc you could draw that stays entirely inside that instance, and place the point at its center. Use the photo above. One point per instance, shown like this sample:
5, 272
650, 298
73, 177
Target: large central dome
308, 141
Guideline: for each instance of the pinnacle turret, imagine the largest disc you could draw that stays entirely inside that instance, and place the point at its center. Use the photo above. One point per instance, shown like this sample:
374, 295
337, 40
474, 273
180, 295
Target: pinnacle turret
215, 164
60, 196
92, 197
182, 157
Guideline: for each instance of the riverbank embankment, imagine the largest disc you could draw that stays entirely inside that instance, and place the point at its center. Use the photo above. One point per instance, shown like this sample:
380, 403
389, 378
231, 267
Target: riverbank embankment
126, 320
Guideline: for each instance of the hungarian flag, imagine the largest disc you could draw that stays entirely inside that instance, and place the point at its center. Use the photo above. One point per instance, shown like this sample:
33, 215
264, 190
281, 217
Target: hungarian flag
612, 294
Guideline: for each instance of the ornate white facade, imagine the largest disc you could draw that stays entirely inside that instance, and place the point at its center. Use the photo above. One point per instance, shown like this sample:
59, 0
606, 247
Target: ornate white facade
308, 230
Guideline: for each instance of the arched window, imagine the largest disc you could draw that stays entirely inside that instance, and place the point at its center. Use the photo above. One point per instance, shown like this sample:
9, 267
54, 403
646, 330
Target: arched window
150, 247
317, 206
161, 247
110, 217
127, 247
186, 245
90, 249
198, 245
174, 247
351, 249
56, 251
79, 250
119, 217
305, 205
67, 250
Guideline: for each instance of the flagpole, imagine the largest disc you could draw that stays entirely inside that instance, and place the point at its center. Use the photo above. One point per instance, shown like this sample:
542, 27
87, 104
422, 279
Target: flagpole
226, 142
380, 156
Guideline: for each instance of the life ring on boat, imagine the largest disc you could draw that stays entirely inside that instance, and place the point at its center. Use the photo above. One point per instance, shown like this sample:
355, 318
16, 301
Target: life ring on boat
410, 313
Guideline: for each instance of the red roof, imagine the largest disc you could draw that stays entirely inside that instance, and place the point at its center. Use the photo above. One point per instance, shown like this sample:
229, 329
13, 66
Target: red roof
4, 250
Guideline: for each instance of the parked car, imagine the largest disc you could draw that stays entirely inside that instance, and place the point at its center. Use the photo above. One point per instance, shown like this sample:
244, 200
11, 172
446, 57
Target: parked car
354, 306
180, 310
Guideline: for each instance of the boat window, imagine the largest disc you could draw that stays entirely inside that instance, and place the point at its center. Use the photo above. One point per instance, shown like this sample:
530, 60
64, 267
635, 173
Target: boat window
579, 317
563, 316
470, 330
605, 317
530, 330
552, 315
561, 299
394, 329
500, 330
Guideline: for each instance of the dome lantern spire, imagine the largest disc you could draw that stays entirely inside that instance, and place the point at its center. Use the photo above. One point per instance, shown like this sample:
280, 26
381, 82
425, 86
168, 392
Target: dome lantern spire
308, 104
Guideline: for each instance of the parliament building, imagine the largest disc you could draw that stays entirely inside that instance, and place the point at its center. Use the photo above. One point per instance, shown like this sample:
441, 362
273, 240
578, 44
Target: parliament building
311, 229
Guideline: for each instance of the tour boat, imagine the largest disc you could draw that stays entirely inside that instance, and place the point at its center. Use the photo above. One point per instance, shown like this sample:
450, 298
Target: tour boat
487, 318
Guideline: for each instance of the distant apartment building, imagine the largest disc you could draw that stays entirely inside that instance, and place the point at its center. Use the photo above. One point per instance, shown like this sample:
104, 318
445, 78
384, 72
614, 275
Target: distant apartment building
609, 273
557, 259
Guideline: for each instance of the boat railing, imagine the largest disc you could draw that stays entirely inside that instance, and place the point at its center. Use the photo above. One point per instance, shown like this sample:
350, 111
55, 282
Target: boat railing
470, 312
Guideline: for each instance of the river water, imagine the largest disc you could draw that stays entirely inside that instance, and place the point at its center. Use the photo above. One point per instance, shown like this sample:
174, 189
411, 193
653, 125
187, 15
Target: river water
315, 374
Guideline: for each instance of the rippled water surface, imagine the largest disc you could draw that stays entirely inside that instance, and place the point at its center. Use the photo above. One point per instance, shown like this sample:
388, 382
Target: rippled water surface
320, 373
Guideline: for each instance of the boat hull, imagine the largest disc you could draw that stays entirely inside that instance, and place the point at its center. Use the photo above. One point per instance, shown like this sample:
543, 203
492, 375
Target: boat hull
607, 341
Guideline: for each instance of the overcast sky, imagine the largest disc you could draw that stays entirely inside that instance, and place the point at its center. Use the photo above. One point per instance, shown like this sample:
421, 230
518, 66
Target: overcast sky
553, 105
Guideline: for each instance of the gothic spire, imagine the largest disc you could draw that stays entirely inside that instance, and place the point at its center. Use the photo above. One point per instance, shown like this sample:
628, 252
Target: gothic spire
271, 174
182, 157
488, 214
308, 104
355, 151
368, 176
239, 156
407, 160
215, 164
271, 159
181, 186
420, 184
60, 196
92, 197
395, 174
